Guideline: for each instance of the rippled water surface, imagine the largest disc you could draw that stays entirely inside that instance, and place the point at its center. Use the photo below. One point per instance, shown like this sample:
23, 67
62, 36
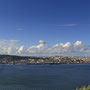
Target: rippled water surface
44, 77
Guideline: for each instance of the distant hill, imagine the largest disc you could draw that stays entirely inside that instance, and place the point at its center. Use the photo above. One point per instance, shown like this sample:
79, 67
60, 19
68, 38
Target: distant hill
12, 59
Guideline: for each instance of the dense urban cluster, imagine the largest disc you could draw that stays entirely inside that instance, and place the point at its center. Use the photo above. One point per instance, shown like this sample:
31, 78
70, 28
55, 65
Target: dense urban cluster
9, 59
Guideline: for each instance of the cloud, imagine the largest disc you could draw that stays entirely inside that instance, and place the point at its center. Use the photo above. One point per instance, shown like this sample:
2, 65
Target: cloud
11, 47
8, 46
41, 41
69, 25
20, 29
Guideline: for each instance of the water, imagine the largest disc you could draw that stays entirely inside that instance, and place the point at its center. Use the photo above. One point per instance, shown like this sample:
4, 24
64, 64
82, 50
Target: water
44, 77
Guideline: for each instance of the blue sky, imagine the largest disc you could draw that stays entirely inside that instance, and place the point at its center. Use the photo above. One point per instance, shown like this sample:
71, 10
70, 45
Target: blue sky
54, 21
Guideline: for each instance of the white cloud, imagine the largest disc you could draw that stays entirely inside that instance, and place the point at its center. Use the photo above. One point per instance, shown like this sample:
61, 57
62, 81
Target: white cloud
20, 49
41, 41
69, 25
20, 29
67, 49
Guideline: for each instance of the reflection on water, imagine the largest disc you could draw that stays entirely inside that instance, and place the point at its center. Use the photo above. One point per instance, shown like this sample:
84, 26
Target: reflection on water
44, 77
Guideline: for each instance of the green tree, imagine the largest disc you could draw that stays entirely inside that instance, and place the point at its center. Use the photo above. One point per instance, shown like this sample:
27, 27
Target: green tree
84, 88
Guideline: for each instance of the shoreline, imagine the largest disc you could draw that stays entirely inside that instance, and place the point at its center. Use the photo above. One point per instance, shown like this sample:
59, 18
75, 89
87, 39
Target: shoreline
47, 64
9, 59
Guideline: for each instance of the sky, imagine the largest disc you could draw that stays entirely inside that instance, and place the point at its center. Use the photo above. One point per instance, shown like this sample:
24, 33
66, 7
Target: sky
25, 22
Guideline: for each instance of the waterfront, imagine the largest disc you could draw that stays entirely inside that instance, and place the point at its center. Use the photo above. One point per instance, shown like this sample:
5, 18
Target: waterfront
12, 59
44, 77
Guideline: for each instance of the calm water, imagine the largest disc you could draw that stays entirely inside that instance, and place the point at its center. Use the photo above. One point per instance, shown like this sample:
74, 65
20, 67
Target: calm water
44, 77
